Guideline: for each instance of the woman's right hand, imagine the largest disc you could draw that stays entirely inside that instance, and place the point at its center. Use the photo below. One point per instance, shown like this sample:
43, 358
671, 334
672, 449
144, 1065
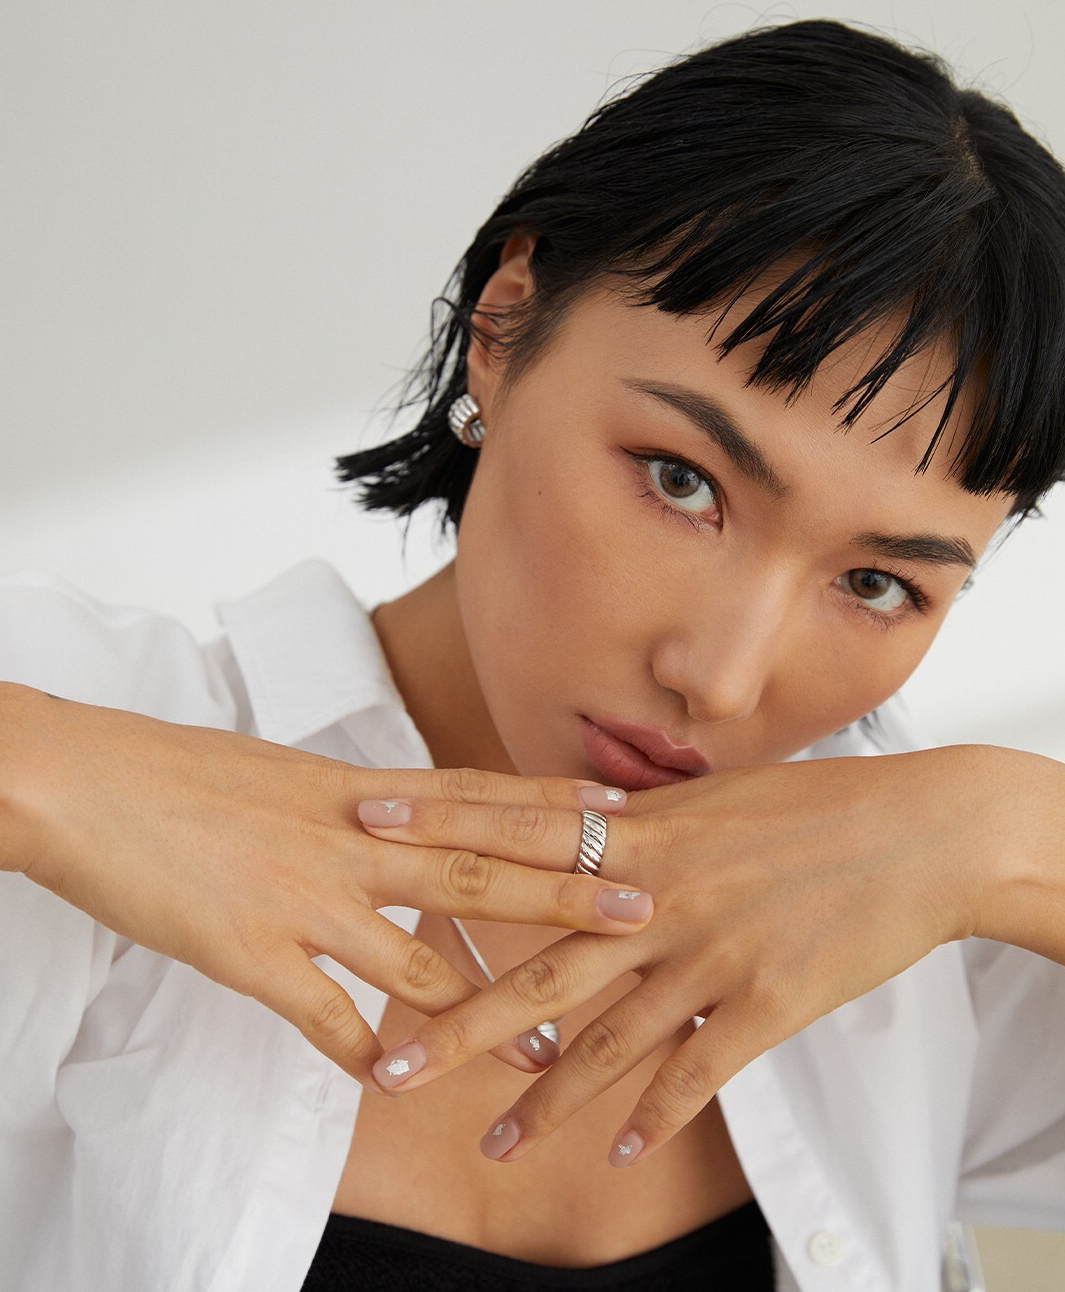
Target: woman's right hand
246, 859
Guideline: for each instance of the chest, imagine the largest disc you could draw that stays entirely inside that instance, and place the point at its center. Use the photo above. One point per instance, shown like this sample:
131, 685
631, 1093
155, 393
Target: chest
414, 1161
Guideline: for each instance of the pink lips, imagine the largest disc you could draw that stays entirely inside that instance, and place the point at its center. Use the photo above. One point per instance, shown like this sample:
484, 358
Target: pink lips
639, 758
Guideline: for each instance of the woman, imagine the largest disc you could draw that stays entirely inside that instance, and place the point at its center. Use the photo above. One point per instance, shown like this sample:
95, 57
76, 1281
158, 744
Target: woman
760, 361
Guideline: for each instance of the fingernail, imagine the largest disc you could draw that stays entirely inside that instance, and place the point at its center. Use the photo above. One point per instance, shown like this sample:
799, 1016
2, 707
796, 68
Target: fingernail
626, 1149
602, 798
625, 904
500, 1138
399, 1065
541, 1049
384, 812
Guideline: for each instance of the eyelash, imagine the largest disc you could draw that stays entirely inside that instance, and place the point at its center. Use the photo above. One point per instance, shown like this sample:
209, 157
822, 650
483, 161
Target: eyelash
918, 600
652, 495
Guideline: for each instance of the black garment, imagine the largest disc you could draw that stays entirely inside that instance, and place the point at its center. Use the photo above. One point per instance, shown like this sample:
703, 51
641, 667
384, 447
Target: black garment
730, 1254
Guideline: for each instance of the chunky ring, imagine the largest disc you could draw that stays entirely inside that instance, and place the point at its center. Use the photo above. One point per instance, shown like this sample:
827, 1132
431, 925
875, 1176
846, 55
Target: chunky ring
593, 841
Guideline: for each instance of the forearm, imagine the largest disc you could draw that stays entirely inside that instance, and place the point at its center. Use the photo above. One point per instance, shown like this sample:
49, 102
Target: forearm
1022, 897
20, 720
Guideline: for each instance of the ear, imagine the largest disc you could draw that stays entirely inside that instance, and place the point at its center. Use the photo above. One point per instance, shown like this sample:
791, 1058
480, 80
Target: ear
511, 283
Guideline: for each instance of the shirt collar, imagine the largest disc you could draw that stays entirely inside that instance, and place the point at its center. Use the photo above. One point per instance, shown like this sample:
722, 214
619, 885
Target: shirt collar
309, 655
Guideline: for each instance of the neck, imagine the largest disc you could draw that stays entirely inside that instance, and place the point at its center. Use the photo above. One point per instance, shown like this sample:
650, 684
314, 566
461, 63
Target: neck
424, 643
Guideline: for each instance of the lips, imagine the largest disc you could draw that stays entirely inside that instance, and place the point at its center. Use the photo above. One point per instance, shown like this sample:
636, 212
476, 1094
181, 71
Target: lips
635, 757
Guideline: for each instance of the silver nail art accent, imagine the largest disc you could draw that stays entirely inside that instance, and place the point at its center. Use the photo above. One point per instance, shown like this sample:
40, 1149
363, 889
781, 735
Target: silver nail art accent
398, 1066
624, 1149
613, 796
390, 804
499, 1129
627, 894
534, 1041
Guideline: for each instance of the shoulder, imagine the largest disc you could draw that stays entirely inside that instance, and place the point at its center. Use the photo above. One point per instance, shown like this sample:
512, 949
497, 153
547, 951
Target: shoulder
57, 638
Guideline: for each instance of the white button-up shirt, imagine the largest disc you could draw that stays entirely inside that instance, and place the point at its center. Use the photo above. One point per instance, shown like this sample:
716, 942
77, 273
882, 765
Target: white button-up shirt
161, 1132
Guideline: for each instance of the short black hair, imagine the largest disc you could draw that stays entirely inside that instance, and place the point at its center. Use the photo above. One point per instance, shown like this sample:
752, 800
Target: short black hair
893, 191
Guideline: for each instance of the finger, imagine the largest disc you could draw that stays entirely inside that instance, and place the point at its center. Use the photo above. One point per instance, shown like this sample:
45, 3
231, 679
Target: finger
466, 884
691, 1076
379, 952
676, 796
549, 838
599, 1056
546, 986
313, 1002
470, 785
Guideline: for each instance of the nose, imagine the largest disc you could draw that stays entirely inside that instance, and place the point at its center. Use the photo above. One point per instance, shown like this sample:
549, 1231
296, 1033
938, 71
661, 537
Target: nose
721, 654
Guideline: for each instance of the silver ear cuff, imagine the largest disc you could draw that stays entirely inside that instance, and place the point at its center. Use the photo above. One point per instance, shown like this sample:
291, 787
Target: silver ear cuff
464, 418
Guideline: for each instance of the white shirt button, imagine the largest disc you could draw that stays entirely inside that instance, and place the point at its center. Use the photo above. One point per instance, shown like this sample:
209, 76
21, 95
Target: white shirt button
826, 1248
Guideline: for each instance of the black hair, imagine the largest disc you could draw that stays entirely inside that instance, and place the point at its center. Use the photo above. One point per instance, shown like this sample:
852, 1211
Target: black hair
895, 193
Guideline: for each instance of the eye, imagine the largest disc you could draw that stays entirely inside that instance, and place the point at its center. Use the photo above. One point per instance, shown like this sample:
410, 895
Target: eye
681, 485
877, 590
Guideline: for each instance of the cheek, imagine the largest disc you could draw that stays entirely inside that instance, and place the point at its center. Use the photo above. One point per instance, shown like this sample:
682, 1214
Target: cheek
865, 669
546, 571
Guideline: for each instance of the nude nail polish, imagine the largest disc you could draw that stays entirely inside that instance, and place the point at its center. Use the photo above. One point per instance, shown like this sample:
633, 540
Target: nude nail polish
626, 1149
500, 1138
534, 1045
626, 904
399, 1065
602, 798
384, 812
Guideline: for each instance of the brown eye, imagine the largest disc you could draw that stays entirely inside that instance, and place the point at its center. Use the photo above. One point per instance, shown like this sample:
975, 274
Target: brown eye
679, 481
878, 590
682, 484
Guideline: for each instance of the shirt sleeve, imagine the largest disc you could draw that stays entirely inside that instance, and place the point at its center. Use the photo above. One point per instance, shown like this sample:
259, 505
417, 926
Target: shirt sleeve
55, 959
56, 638
1013, 1166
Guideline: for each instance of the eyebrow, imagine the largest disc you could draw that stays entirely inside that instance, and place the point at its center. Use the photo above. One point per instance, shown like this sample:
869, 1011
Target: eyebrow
933, 549
714, 422
748, 459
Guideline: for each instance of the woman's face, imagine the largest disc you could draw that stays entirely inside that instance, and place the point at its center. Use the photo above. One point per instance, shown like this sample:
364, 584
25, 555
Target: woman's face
662, 571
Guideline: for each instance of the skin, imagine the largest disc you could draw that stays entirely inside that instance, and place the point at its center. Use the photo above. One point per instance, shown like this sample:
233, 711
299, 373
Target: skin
581, 586
779, 890
748, 648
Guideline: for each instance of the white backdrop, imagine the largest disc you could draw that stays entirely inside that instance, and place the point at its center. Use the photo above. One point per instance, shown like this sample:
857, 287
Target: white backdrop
223, 224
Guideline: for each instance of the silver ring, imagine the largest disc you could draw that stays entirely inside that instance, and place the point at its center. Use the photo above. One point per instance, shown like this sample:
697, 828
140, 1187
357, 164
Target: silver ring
593, 841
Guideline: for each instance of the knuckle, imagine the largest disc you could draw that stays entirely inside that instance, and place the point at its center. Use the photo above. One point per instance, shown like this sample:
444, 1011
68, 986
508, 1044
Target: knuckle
769, 1001
571, 893
331, 1016
451, 1035
600, 1046
422, 971
731, 962
332, 778
523, 825
556, 791
438, 817
465, 785
681, 1087
539, 981
252, 944
466, 874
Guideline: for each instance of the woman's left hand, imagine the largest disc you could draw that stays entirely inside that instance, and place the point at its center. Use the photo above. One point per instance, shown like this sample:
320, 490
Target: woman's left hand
780, 893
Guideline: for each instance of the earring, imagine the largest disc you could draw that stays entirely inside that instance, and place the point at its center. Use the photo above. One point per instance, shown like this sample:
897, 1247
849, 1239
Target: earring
464, 418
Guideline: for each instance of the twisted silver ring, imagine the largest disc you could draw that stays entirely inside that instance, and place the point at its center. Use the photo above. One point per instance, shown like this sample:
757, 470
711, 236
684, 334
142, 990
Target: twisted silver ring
593, 841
